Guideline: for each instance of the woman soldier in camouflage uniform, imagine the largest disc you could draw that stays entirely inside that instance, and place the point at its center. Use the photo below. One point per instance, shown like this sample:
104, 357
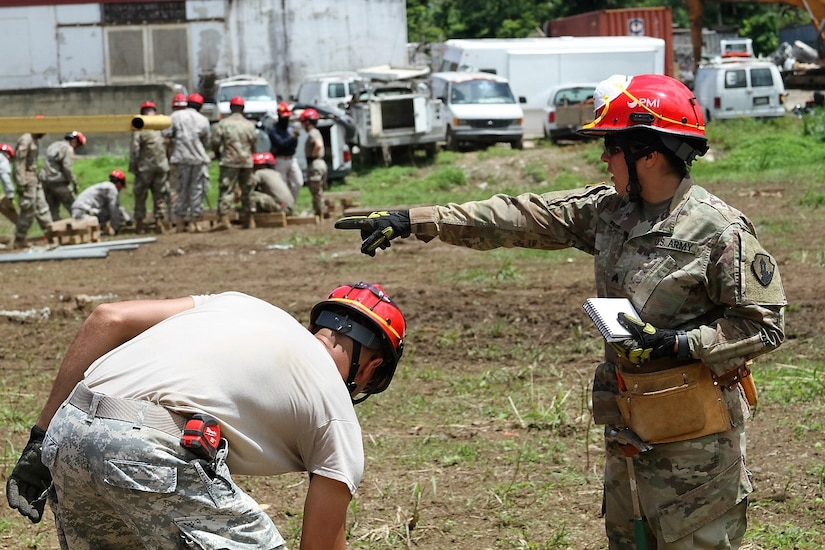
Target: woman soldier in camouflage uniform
709, 295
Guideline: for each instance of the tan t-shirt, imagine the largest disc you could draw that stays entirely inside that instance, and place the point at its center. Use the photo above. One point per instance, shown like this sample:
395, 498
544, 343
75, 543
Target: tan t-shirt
280, 400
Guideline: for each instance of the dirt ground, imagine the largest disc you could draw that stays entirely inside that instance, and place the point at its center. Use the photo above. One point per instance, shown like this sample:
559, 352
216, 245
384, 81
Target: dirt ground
461, 453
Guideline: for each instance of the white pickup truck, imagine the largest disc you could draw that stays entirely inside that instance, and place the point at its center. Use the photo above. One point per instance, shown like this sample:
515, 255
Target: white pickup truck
256, 91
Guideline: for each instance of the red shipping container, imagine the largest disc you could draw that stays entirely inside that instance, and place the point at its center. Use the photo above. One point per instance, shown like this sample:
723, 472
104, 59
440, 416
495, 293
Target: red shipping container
656, 22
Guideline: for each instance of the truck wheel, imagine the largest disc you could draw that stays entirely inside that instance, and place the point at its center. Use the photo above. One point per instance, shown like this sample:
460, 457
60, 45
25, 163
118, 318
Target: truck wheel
430, 150
452, 142
518, 144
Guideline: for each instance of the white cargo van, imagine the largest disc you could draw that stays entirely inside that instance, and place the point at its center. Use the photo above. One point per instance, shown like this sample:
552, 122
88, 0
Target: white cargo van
480, 108
740, 88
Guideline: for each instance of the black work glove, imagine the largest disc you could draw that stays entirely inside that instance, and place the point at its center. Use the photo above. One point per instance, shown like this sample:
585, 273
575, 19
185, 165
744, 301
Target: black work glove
378, 229
648, 342
30, 479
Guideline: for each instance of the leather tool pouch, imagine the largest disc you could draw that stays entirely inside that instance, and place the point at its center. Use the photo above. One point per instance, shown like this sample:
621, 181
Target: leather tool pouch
674, 404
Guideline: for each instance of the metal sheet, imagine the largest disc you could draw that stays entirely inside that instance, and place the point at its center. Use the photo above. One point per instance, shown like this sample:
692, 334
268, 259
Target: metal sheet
56, 254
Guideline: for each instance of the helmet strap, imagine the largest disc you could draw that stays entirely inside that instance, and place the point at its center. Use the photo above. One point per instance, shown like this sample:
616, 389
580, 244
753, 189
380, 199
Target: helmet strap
353, 370
634, 187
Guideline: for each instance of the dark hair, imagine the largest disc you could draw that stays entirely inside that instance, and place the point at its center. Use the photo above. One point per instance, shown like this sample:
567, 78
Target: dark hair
639, 140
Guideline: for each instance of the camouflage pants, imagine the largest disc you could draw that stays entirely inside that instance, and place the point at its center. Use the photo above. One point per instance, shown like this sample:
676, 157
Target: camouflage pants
119, 484
33, 206
231, 176
156, 182
693, 494
58, 194
262, 202
291, 172
190, 189
317, 182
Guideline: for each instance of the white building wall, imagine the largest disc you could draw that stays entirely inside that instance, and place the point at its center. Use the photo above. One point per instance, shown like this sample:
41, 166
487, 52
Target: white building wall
281, 40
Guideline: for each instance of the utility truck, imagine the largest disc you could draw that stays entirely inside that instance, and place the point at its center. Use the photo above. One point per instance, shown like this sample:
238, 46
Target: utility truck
534, 66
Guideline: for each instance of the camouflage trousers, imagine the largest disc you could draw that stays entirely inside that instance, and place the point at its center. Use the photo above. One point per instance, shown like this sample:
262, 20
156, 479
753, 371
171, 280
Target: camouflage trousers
230, 177
33, 206
121, 484
190, 189
317, 182
291, 172
155, 181
693, 494
58, 194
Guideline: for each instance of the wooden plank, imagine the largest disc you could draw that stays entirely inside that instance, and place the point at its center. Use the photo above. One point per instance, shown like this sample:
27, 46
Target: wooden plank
266, 219
302, 220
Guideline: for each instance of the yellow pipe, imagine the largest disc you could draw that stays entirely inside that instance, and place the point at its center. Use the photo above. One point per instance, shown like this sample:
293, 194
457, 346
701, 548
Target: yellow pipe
87, 123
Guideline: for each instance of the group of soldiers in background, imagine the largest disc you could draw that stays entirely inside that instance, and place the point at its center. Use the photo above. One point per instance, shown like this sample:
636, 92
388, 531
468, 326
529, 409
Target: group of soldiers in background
160, 160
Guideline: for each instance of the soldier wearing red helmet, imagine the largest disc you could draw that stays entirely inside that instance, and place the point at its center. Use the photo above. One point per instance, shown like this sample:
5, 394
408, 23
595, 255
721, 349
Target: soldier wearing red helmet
195, 101
283, 135
288, 406
149, 163
674, 391
270, 192
102, 200
233, 142
316, 165
188, 136
58, 179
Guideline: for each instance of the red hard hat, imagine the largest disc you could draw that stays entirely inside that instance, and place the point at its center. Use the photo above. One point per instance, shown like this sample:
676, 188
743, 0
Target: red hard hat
367, 315
283, 109
148, 105
650, 102
237, 100
81, 139
309, 114
195, 98
263, 159
179, 100
117, 175
6, 148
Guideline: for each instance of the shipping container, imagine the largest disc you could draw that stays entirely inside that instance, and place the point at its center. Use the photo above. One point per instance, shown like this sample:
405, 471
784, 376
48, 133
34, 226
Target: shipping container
655, 22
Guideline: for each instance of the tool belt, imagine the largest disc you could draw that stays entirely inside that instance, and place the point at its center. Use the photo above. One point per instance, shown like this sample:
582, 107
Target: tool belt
679, 403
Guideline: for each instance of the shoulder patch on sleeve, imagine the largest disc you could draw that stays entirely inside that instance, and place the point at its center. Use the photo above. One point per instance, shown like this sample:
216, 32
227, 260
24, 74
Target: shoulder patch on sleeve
763, 268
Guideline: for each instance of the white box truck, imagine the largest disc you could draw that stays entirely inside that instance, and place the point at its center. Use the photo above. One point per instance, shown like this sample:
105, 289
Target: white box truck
535, 65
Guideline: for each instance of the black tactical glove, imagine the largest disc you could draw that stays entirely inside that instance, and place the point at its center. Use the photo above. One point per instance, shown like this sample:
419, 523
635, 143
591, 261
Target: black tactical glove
649, 342
378, 229
28, 482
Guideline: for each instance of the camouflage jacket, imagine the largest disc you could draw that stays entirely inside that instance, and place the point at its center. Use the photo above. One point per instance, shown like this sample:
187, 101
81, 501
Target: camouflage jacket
189, 134
234, 140
59, 163
25, 160
267, 180
699, 268
101, 197
147, 152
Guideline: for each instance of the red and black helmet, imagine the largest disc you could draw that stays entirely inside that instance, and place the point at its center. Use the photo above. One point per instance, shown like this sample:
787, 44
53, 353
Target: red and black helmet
365, 313
195, 98
237, 100
74, 134
284, 110
117, 176
652, 103
147, 106
263, 159
8, 149
179, 101
309, 114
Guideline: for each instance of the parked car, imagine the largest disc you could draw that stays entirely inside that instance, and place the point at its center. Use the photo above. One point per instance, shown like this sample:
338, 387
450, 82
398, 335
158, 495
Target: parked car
740, 88
569, 107
480, 108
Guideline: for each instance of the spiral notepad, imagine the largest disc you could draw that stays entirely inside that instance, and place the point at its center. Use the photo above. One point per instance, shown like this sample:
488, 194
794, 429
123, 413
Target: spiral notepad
604, 313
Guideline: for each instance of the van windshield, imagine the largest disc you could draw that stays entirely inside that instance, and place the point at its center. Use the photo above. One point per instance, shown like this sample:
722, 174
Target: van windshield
250, 92
481, 91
